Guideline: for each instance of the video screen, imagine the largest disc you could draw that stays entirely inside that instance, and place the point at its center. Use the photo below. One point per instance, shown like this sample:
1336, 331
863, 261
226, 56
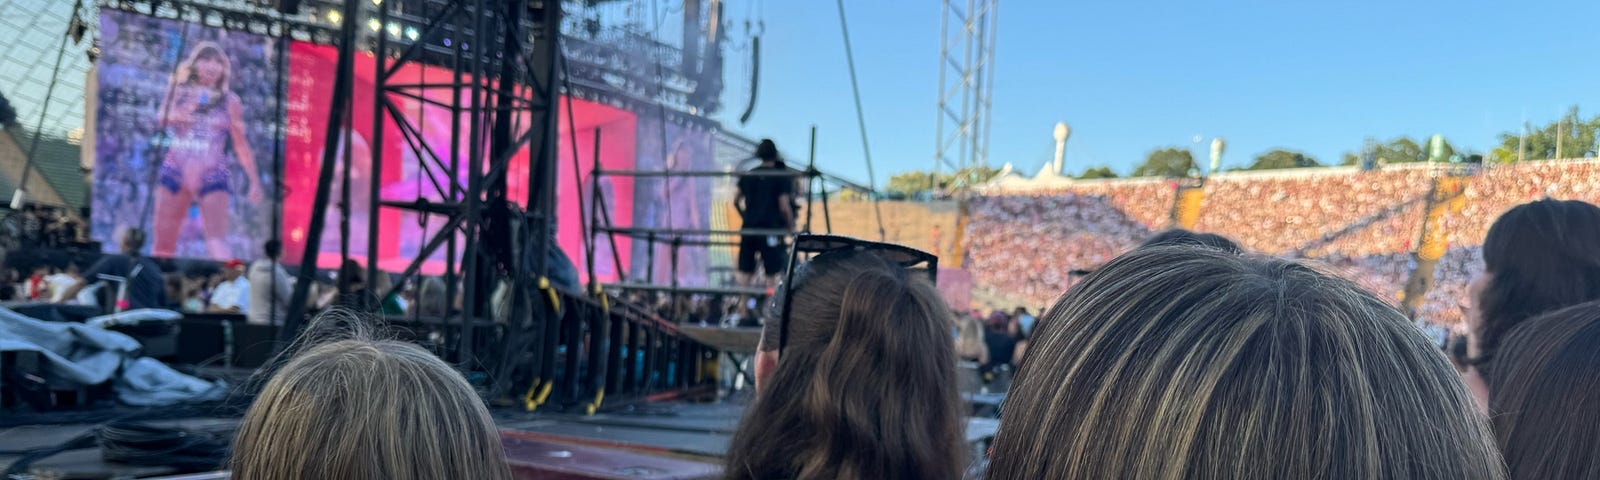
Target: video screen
677, 203
406, 176
184, 137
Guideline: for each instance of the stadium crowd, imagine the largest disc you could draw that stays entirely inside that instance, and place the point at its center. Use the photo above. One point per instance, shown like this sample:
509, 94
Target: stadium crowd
1362, 225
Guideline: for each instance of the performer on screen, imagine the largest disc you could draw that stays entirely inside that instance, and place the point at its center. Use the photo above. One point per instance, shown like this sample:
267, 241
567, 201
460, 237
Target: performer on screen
204, 120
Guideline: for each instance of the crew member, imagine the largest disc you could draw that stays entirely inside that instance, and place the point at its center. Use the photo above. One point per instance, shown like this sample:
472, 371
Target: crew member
765, 203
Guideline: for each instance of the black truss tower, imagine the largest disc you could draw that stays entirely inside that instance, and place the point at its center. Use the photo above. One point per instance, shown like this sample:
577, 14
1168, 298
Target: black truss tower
504, 54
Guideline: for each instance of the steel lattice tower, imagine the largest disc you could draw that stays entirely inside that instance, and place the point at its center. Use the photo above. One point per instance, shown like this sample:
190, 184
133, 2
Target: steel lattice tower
966, 83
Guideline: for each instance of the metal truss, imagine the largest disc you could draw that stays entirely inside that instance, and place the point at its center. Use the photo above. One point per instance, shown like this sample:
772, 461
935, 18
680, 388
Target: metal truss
504, 74
966, 83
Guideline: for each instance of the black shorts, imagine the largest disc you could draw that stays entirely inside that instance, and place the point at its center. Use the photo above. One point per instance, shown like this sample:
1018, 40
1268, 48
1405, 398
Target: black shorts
774, 255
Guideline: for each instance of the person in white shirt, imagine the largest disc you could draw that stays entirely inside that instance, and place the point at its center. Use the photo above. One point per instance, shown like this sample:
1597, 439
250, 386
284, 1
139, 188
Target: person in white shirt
270, 287
232, 295
61, 282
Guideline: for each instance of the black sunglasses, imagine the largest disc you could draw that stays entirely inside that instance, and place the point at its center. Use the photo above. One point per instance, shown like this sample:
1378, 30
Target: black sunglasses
1456, 348
818, 245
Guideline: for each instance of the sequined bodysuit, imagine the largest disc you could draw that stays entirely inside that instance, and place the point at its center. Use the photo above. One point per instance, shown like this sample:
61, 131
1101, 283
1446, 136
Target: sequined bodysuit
199, 148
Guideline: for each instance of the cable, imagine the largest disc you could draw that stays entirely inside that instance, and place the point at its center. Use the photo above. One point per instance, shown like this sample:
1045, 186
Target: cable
21, 465
861, 121
189, 450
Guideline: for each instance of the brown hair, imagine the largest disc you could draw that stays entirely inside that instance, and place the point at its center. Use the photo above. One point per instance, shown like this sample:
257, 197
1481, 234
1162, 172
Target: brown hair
1541, 256
865, 387
1186, 362
1543, 398
352, 406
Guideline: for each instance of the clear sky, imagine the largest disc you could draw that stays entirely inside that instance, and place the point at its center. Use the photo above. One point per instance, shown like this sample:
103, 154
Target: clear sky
1132, 76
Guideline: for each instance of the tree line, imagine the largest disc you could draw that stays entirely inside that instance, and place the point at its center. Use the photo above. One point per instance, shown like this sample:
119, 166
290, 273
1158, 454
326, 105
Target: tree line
1570, 136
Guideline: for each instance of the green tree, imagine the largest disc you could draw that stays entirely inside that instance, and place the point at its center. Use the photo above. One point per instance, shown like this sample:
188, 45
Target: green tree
1097, 172
914, 181
1280, 158
1166, 162
1577, 138
1398, 150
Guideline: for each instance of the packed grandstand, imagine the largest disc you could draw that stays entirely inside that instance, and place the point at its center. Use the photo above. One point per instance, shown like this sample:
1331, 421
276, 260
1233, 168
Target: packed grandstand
1361, 224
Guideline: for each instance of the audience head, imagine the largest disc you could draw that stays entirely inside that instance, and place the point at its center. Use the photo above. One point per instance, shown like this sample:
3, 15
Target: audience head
1185, 362
273, 249
132, 241
1538, 257
999, 321
432, 299
352, 273
1544, 404
335, 410
1178, 236
864, 387
232, 269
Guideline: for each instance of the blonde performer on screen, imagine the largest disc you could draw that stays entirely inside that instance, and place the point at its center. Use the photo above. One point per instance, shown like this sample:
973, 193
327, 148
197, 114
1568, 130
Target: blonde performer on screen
202, 115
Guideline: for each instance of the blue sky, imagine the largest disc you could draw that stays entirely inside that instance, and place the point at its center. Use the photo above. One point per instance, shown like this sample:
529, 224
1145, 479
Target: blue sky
1137, 75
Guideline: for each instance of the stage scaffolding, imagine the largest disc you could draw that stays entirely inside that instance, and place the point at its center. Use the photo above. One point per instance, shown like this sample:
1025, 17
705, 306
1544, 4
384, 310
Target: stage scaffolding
526, 341
816, 191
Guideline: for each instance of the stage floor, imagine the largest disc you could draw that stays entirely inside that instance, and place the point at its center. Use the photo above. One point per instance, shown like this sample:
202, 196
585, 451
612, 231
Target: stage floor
685, 436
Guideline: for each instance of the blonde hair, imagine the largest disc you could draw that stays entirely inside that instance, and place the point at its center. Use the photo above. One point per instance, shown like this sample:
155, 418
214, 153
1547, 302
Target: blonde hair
1183, 362
969, 339
351, 406
206, 49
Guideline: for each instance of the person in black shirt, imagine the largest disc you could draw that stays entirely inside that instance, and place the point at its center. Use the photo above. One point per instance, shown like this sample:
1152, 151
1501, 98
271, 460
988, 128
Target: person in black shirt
141, 276
1000, 341
765, 203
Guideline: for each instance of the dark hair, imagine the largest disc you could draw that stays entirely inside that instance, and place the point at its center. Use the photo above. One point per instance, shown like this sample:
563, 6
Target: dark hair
351, 272
273, 248
1178, 236
132, 241
1186, 362
1541, 256
865, 387
1545, 408
767, 150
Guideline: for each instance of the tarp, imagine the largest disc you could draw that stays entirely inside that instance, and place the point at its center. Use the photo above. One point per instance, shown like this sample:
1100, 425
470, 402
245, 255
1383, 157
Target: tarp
76, 354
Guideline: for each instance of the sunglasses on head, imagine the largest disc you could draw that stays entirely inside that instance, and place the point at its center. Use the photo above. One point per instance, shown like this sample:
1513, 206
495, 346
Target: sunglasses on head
814, 246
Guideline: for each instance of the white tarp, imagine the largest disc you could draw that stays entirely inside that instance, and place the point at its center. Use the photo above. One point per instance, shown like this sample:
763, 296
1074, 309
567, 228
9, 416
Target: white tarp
76, 354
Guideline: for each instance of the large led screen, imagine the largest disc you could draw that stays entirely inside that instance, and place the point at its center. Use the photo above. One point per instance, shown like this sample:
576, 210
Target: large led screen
406, 176
676, 203
183, 137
